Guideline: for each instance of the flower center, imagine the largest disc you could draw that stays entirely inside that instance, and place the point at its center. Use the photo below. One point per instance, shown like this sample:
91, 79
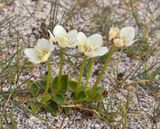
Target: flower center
114, 33
42, 53
86, 48
117, 38
63, 40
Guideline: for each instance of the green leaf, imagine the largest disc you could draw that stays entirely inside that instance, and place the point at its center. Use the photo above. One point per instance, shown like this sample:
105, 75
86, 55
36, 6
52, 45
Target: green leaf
43, 82
95, 95
51, 107
61, 90
61, 87
63, 84
80, 97
35, 107
72, 85
33, 88
54, 86
59, 99
45, 98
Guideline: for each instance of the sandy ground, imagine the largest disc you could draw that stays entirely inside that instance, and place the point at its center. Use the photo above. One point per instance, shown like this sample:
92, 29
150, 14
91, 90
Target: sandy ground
29, 20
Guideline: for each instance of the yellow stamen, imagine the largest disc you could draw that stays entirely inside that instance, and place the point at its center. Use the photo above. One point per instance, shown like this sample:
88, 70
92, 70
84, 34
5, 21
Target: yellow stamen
42, 54
63, 40
86, 48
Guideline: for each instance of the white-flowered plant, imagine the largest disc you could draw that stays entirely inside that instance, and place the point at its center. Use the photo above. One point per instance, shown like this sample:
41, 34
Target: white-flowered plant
41, 52
123, 37
91, 46
63, 38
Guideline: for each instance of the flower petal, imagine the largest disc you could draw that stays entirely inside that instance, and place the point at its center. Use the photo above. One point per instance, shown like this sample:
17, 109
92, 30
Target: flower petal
63, 44
81, 48
101, 51
59, 31
44, 44
113, 33
81, 38
128, 33
52, 38
34, 61
51, 47
91, 54
31, 54
73, 35
96, 39
98, 52
118, 42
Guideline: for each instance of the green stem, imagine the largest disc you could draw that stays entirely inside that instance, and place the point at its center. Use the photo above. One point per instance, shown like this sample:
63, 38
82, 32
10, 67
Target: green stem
124, 117
48, 77
61, 65
80, 75
104, 67
89, 71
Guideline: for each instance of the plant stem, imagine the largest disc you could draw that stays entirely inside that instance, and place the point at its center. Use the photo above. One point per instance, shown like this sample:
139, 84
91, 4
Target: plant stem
124, 117
61, 65
89, 70
80, 75
48, 77
104, 67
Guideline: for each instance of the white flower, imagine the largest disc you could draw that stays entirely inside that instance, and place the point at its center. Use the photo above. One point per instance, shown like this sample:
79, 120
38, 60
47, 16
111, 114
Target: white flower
91, 46
40, 52
113, 33
123, 37
63, 38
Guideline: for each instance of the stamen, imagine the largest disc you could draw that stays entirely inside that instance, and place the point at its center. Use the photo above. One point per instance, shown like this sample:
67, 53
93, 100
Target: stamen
41, 53
65, 40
